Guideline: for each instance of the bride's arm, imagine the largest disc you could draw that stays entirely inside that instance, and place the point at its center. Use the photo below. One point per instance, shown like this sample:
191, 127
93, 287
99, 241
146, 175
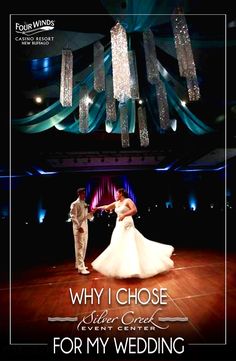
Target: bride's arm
106, 207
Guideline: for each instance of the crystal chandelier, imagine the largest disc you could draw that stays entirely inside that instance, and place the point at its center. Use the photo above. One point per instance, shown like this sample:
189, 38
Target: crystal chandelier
66, 84
124, 125
99, 69
163, 106
142, 123
122, 84
150, 57
120, 64
84, 101
134, 86
110, 100
184, 53
153, 77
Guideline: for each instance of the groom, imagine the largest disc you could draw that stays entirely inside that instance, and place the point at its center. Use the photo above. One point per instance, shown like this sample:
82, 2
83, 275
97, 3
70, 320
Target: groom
79, 216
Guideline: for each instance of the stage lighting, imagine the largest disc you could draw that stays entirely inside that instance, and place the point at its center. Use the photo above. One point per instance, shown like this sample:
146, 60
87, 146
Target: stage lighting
38, 100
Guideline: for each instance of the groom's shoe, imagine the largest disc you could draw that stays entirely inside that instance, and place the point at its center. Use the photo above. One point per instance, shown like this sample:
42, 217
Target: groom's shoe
84, 271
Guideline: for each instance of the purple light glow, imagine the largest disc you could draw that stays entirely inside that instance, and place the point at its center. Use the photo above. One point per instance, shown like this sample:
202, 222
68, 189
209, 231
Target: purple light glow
105, 193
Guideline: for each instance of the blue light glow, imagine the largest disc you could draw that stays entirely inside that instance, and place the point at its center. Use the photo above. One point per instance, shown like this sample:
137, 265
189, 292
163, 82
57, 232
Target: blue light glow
40, 171
228, 193
191, 170
192, 202
11, 176
46, 62
128, 188
41, 64
35, 64
4, 212
41, 215
200, 169
220, 168
41, 212
88, 190
163, 169
169, 204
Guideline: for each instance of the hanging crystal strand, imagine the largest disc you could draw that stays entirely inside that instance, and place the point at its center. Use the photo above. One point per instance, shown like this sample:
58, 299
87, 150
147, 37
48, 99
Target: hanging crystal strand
124, 126
83, 109
142, 123
181, 39
120, 63
99, 69
66, 84
133, 75
184, 53
110, 101
154, 78
193, 88
151, 57
163, 107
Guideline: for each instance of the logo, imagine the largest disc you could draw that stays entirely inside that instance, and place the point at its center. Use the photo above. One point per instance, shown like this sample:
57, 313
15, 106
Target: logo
27, 32
35, 27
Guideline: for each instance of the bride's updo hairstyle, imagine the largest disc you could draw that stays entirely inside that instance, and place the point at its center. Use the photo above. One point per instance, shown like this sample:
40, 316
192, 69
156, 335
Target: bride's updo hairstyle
123, 192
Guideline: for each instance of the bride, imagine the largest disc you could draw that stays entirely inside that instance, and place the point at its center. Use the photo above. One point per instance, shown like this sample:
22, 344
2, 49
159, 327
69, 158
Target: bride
130, 254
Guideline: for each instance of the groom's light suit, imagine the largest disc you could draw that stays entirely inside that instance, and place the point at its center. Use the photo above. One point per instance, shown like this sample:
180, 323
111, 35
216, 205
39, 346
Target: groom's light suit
79, 215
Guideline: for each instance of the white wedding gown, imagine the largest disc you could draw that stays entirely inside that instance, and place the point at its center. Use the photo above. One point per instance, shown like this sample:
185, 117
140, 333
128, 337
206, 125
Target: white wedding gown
130, 254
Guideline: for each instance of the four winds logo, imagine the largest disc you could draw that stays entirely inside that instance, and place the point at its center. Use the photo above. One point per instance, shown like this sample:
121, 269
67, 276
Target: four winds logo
35, 27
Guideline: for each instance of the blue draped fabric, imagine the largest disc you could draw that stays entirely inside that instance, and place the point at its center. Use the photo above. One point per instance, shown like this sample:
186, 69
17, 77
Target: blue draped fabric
135, 18
65, 119
55, 113
138, 22
189, 119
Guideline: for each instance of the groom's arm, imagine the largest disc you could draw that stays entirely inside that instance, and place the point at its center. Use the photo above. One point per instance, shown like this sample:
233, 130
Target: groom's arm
74, 214
90, 216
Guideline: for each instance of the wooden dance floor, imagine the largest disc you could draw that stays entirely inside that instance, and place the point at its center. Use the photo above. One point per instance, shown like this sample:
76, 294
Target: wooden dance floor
195, 306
